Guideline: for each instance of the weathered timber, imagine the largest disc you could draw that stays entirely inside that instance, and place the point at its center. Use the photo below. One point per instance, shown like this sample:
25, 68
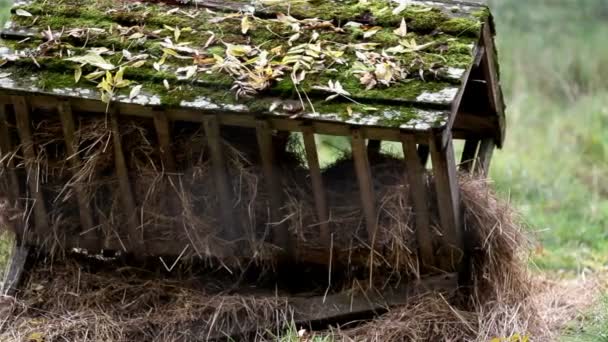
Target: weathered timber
220, 173
366, 186
6, 156
22, 118
451, 253
15, 269
416, 178
317, 185
127, 197
67, 123
484, 156
163, 134
469, 153
280, 234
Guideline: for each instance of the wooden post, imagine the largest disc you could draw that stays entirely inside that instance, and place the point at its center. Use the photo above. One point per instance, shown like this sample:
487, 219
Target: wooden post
468, 154
163, 134
222, 181
279, 234
416, 178
128, 200
374, 147
6, 149
15, 269
317, 184
67, 122
366, 187
423, 154
448, 200
22, 117
484, 157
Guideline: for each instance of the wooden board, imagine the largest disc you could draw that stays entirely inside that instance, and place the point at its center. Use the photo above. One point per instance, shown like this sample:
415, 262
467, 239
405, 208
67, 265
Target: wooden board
15, 269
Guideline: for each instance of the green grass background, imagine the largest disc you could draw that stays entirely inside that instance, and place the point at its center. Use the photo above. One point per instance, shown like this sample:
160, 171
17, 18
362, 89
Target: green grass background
554, 166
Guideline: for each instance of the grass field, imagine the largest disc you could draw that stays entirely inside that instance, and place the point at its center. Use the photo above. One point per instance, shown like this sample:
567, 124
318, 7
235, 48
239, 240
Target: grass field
554, 166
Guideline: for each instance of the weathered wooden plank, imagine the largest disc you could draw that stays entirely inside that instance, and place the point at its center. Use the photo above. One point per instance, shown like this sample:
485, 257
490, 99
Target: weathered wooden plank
373, 147
484, 157
127, 197
231, 231
468, 154
366, 186
6, 151
423, 153
22, 118
317, 185
67, 122
279, 233
448, 200
416, 178
343, 305
488, 65
15, 270
163, 134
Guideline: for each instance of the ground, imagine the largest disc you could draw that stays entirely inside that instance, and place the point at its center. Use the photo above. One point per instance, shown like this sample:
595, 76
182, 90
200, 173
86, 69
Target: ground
554, 166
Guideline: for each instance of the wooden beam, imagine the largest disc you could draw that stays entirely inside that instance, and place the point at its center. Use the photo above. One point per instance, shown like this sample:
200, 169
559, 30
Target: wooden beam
448, 200
15, 270
136, 240
317, 185
366, 186
6, 151
279, 233
374, 147
346, 304
416, 178
488, 65
423, 154
22, 118
67, 122
468, 154
163, 134
231, 231
484, 157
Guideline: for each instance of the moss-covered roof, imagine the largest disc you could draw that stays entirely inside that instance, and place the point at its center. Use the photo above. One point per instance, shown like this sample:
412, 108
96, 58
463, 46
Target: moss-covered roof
371, 62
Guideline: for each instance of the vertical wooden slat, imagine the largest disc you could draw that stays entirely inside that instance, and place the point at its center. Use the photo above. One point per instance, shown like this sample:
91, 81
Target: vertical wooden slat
279, 235
317, 184
223, 187
128, 200
448, 200
484, 156
374, 147
163, 133
468, 154
6, 149
366, 187
416, 178
15, 269
22, 118
423, 154
67, 122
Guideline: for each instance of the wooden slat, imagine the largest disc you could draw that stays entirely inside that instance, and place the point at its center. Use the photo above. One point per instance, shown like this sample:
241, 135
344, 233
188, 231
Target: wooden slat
15, 270
67, 122
279, 235
231, 231
22, 118
484, 157
6, 149
317, 185
423, 154
416, 178
468, 154
488, 64
448, 200
163, 134
373, 147
366, 187
127, 198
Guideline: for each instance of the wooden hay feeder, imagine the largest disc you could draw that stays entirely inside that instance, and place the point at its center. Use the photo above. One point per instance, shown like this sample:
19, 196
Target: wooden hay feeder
421, 74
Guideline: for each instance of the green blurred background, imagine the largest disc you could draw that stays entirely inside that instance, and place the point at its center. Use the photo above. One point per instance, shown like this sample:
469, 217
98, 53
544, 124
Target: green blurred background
554, 166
